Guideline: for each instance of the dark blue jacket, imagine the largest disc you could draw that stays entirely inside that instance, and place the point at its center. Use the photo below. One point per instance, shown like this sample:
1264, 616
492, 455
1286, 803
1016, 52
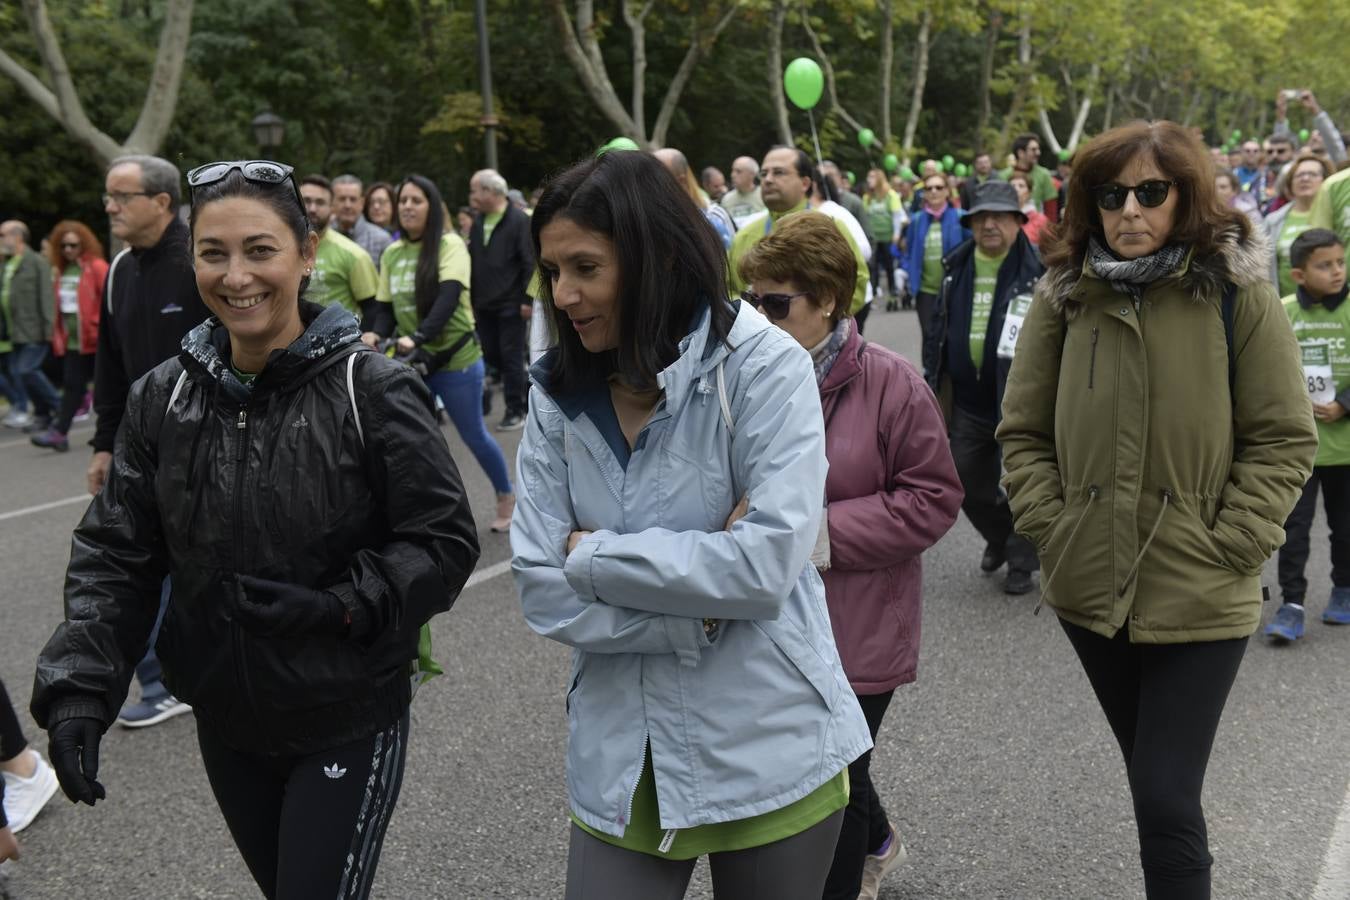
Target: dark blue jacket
946, 354
952, 236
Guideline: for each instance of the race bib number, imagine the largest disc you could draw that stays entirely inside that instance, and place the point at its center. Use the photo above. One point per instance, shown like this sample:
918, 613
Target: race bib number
1012, 325
1317, 373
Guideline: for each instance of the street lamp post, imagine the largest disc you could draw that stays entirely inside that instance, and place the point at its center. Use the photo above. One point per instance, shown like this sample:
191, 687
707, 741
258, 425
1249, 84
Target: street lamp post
269, 130
489, 120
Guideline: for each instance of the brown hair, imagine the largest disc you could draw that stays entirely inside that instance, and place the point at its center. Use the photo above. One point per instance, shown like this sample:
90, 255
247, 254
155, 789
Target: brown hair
808, 250
89, 244
1287, 176
1200, 218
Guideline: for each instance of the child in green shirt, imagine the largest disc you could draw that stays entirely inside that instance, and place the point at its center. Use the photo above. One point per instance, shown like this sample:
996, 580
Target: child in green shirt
1321, 321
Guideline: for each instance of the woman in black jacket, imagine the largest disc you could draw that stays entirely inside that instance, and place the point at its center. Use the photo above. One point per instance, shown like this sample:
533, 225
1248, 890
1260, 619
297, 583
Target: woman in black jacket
296, 490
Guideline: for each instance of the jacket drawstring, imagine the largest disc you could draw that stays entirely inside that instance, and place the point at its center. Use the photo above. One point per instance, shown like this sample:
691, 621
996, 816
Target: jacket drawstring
1045, 585
1157, 523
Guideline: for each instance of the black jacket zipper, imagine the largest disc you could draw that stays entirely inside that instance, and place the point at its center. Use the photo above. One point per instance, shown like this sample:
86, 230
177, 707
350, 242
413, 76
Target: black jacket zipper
240, 458
1092, 362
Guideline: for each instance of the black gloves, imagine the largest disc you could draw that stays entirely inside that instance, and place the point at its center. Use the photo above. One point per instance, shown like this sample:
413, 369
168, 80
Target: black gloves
73, 750
277, 609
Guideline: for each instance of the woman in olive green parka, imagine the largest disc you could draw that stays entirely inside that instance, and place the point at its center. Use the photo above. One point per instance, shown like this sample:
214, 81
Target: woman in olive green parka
1153, 493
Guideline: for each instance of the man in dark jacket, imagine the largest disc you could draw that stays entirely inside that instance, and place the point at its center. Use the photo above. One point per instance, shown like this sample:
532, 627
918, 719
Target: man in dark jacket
502, 254
985, 294
150, 302
28, 310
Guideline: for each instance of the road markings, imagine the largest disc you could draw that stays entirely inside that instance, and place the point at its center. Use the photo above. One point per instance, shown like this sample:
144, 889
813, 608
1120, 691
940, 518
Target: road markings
43, 507
488, 574
1334, 881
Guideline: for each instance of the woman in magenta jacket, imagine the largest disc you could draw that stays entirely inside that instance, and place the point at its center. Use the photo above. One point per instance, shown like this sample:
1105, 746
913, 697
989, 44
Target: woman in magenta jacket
891, 493
79, 272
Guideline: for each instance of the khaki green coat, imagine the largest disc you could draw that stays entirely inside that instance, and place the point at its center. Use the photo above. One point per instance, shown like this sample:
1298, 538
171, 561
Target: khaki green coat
1151, 496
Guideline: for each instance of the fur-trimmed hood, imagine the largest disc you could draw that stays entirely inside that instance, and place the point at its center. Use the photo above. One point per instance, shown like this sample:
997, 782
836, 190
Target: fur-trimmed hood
1243, 259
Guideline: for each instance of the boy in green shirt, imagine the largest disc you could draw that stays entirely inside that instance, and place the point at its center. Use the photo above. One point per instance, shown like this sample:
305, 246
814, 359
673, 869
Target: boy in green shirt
1321, 321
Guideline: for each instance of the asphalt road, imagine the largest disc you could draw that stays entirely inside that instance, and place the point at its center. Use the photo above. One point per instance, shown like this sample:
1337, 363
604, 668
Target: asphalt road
997, 765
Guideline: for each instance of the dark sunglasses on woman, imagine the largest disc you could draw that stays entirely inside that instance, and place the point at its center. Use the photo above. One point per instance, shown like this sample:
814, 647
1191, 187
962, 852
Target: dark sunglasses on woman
1150, 194
258, 171
775, 306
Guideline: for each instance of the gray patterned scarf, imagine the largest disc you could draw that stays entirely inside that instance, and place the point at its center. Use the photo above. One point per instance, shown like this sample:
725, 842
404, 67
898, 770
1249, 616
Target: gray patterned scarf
1131, 276
827, 351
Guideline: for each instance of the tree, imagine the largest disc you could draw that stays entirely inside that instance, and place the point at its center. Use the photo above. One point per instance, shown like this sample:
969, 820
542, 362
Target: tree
62, 102
581, 44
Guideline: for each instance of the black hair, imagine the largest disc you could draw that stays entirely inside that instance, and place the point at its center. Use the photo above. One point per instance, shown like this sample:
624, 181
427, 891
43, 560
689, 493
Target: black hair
1309, 242
283, 199
802, 163
319, 181
821, 186
671, 264
1022, 141
428, 277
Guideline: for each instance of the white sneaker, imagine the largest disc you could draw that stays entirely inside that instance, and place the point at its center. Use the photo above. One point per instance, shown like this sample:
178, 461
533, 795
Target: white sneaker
17, 419
25, 797
875, 867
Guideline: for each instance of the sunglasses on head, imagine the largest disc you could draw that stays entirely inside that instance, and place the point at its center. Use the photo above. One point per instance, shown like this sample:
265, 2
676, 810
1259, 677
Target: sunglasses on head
258, 171
1150, 194
775, 306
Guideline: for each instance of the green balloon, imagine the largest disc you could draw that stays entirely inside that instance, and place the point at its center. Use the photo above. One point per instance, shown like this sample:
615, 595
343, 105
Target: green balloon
961, 170
948, 161
907, 173
852, 179
804, 82
891, 162
1303, 135
619, 143
1064, 155
866, 138
1236, 135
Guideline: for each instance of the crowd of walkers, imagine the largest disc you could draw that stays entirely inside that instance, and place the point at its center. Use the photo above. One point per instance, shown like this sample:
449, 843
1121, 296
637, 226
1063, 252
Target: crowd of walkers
692, 510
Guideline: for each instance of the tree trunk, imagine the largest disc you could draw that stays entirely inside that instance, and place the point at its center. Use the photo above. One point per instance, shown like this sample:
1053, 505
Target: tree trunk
637, 26
700, 44
986, 76
920, 79
62, 102
1013, 117
583, 52
775, 62
1084, 107
887, 63
831, 86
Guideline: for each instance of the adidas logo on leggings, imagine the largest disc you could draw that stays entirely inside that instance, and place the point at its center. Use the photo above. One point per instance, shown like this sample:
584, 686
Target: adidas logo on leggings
333, 771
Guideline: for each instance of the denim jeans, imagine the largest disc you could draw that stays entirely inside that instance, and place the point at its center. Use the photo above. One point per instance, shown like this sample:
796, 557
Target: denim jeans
461, 393
25, 368
148, 671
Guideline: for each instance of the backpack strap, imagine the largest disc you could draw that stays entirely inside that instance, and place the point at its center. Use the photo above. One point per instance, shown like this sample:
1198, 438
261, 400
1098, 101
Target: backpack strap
112, 271
351, 397
1228, 308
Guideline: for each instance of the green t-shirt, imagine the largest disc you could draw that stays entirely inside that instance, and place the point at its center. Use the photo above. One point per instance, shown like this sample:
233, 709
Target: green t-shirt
754, 232
881, 216
1324, 339
931, 279
11, 265
986, 280
645, 834
1331, 209
343, 273
69, 296
1295, 223
490, 221
398, 279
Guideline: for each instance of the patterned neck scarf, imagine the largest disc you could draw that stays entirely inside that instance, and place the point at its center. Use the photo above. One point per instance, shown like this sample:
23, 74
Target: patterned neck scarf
827, 351
1131, 276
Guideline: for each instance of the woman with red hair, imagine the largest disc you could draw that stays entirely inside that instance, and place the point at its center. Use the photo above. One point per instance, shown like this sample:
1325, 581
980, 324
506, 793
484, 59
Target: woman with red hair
79, 272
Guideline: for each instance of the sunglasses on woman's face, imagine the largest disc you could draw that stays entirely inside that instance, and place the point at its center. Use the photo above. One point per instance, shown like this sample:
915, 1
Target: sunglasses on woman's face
1150, 194
65, 246
775, 306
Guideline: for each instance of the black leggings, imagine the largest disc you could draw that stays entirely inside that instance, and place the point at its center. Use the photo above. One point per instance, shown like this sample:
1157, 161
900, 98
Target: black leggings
1163, 702
865, 826
77, 369
309, 826
12, 741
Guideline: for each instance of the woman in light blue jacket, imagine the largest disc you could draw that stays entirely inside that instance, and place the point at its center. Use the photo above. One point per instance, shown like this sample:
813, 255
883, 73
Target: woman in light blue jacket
670, 489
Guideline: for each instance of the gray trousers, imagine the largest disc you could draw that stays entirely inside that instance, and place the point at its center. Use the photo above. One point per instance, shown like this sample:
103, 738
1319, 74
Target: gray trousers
791, 869
979, 463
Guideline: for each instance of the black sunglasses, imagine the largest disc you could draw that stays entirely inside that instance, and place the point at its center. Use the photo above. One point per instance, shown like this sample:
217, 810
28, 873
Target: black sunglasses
1150, 194
775, 306
258, 171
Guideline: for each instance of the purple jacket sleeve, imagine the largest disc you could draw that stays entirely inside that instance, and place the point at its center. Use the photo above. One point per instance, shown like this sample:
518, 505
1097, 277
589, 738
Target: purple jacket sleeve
878, 530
